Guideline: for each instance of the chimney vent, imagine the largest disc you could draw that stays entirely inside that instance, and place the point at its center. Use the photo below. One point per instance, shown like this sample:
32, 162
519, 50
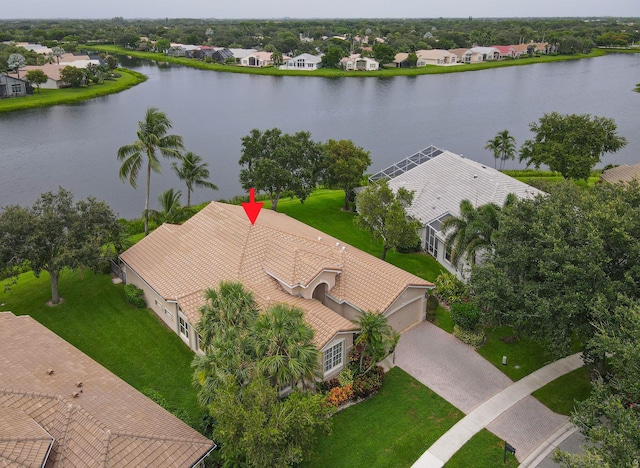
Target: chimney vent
78, 384
75, 394
49, 371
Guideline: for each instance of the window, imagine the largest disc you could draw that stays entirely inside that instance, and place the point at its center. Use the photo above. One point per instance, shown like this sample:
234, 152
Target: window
199, 343
432, 242
16, 88
447, 253
184, 327
333, 357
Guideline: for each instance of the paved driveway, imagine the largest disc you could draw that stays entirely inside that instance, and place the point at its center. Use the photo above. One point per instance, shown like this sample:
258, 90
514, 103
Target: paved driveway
452, 369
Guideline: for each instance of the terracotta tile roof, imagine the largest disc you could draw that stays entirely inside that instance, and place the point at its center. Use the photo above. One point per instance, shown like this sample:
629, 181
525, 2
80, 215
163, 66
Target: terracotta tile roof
23, 441
108, 423
219, 243
623, 173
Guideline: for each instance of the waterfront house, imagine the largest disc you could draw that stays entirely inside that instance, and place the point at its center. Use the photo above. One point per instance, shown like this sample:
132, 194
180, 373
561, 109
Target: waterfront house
306, 62
11, 86
280, 260
435, 57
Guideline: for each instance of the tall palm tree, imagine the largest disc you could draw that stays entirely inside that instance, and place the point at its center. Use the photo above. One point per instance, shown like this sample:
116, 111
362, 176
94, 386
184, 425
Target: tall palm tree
377, 338
171, 211
283, 344
194, 173
152, 138
226, 318
503, 146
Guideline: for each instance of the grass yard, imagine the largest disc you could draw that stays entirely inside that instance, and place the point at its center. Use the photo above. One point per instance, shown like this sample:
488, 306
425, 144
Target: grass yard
323, 211
52, 97
484, 449
96, 319
561, 394
392, 429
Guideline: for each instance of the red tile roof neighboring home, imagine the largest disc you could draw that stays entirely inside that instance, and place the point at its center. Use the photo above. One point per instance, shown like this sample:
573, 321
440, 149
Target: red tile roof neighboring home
623, 173
60, 408
279, 259
505, 51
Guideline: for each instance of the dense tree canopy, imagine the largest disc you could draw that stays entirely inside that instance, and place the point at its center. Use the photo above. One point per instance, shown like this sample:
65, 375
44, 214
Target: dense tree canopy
36, 77
571, 144
345, 165
382, 213
55, 234
279, 163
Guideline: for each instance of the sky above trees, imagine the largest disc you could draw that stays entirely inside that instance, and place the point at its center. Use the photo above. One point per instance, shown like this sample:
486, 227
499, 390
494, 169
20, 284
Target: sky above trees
326, 9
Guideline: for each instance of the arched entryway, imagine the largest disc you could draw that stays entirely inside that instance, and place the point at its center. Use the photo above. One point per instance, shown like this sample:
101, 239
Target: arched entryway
320, 292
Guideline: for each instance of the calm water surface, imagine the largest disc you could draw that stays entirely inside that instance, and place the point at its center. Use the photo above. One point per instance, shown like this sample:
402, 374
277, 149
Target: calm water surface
75, 146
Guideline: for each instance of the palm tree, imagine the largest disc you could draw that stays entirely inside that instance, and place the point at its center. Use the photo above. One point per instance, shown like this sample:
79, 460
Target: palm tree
503, 146
283, 344
194, 173
377, 338
152, 137
226, 318
172, 211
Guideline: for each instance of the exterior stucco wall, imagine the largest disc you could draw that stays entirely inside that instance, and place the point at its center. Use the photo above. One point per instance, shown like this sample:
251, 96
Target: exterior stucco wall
347, 339
408, 309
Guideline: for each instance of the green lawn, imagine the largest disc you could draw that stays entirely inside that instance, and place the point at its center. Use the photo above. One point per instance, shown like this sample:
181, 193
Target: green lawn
96, 319
483, 450
393, 428
561, 394
323, 211
52, 97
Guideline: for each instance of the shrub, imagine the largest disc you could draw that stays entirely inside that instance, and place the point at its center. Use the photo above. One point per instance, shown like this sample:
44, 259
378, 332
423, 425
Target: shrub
450, 289
473, 338
365, 385
135, 296
346, 377
339, 395
465, 315
432, 307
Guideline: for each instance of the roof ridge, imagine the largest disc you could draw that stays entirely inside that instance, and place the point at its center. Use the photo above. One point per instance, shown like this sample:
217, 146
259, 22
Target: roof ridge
140, 435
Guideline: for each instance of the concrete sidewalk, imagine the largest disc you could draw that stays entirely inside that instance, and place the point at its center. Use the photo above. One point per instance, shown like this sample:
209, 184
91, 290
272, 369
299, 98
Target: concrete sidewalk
444, 448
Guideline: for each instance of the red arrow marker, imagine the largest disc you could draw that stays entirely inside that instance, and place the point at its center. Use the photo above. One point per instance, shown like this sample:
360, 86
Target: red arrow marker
252, 208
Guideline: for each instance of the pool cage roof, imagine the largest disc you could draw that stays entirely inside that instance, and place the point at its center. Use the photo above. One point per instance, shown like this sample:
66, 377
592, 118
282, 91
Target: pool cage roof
406, 164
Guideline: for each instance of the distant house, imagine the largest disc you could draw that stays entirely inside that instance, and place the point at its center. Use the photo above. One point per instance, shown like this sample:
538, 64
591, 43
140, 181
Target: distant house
621, 174
239, 54
487, 53
280, 260
466, 55
257, 59
13, 87
356, 62
435, 57
176, 50
222, 55
441, 180
401, 60
506, 51
60, 408
520, 50
303, 62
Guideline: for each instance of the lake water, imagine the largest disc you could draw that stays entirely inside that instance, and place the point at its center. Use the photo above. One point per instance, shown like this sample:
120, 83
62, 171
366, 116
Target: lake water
75, 145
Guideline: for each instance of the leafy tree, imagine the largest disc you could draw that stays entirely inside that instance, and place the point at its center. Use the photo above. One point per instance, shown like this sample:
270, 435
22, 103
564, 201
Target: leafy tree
278, 163
332, 58
609, 417
36, 77
571, 144
257, 429
162, 45
55, 234
383, 214
277, 58
15, 62
383, 53
554, 254
345, 166
72, 76
503, 146
171, 211
376, 337
284, 346
194, 173
152, 138
111, 61
412, 59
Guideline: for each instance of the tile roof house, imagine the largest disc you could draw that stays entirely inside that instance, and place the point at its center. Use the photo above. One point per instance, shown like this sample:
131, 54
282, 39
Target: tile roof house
303, 62
435, 57
357, 62
59, 408
487, 53
466, 55
623, 173
280, 260
441, 180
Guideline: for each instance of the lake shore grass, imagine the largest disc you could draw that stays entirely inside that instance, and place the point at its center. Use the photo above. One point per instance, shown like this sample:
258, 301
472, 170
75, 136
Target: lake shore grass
335, 73
52, 97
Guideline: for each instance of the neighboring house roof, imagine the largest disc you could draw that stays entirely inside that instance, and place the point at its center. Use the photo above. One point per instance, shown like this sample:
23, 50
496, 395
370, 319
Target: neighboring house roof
460, 52
624, 173
52, 70
520, 48
400, 57
240, 53
443, 181
484, 50
433, 53
219, 243
504, 50
107, 423
308, 58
